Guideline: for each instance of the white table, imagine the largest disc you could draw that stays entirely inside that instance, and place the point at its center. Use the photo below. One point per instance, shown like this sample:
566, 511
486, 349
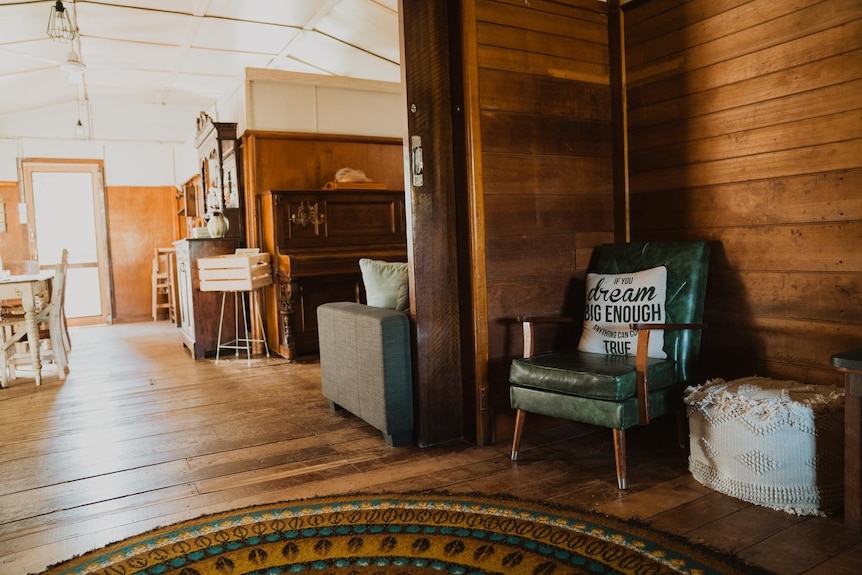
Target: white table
25, 288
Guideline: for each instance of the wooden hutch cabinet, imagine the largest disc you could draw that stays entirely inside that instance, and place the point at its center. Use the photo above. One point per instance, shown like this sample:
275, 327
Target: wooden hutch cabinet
221, 175
218, 187
316, 239
200, 311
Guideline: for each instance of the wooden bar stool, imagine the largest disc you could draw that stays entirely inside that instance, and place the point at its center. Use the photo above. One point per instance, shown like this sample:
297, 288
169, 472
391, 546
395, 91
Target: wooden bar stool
163, 283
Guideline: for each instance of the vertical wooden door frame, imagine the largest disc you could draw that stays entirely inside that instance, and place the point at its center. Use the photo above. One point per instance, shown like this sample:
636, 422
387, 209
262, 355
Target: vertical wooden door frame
96, 168
619, 117
474, 246
439, 292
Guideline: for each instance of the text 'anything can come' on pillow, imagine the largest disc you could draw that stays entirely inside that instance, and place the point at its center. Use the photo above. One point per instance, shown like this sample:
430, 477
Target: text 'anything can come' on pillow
614, 301
386, 284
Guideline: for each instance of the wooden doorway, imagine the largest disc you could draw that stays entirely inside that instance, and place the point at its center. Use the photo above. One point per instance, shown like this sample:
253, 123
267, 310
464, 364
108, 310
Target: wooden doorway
66, 209
439, 217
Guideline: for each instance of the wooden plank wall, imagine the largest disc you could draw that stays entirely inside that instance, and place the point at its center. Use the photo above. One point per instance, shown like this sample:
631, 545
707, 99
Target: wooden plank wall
14, 246
140, 219
745, 128
546, 147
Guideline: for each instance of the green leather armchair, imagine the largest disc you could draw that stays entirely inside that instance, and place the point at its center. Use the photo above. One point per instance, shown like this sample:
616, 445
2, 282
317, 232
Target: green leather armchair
620, 391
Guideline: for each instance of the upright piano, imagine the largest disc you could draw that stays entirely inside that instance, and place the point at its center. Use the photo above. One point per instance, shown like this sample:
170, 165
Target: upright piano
316, 239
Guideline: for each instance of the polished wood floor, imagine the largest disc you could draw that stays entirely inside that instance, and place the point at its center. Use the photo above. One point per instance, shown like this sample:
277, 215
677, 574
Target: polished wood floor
140, 435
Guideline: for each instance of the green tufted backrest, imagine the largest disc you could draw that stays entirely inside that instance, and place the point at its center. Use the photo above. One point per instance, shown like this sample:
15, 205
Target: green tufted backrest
687, 265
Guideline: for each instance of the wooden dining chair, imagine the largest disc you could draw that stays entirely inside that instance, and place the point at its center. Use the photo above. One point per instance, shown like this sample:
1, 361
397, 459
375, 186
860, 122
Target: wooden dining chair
54, 340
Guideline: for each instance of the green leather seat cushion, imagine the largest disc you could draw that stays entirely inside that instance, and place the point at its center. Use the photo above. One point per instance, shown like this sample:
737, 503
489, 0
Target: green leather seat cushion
590, 375
611, 414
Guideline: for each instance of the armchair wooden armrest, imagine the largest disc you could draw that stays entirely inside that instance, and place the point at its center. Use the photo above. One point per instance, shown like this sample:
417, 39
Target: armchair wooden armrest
528, 323
642, 389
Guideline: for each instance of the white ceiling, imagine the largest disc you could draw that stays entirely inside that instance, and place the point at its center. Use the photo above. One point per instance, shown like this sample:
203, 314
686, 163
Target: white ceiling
153, 65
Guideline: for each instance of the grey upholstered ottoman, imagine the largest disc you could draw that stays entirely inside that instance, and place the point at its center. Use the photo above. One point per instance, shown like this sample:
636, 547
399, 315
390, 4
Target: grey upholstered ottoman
365, 365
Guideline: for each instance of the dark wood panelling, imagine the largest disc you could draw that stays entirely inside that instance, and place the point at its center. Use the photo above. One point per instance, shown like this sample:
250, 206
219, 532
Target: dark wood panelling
545, 135
582, 19
831, 157
653, 18
619, 123
830, 99
808, 132
838, 46
533, 41
826, 297
529, 256
539, 293
720, 38
553, 175
530, 94
797, 199
552, 215
544, 116
811, 247
514, 61
797, 345
671, 103
745, 130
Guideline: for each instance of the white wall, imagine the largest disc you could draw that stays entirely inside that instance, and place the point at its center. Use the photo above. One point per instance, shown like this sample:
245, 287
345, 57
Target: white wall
293, 102
126, 163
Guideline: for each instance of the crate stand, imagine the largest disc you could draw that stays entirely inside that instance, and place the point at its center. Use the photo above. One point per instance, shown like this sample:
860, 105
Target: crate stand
235, 273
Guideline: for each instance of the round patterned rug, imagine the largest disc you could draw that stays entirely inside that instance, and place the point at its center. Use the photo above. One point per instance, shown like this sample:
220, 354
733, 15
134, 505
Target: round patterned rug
413, 533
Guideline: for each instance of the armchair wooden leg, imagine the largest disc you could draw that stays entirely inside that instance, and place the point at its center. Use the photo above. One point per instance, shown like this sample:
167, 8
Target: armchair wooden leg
620, 454
520, 416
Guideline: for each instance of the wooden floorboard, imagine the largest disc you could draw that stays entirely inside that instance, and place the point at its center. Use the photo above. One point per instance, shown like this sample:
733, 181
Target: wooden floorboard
140, 435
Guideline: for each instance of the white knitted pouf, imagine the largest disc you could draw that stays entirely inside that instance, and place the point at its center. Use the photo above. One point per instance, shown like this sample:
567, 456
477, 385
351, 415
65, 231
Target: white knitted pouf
778, 444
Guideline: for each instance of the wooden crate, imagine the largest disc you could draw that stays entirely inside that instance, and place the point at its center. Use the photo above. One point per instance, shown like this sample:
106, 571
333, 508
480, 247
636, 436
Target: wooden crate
235, 272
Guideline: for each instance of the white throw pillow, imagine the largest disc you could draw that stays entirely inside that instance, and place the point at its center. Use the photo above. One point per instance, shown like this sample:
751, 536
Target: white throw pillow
386, 284
614, 301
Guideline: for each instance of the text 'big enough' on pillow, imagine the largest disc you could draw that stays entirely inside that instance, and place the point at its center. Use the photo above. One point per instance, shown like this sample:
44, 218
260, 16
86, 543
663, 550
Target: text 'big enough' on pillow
614, 302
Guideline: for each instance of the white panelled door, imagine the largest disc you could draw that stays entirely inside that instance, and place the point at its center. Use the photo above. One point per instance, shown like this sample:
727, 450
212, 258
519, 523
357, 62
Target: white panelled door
66, 209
